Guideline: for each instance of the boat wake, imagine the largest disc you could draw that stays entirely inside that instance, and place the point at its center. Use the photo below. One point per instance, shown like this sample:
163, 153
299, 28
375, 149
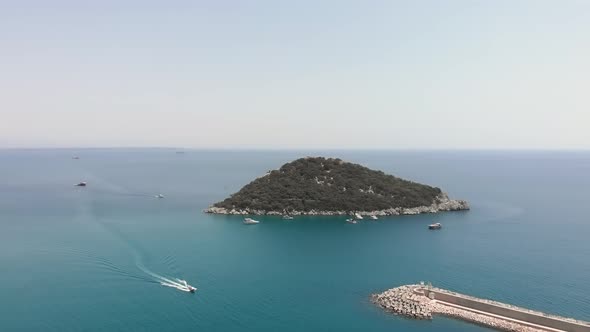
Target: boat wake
166, 281
87, 214
178, 284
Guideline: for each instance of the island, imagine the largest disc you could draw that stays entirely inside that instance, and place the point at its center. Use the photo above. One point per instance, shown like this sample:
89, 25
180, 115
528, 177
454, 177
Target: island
331, 186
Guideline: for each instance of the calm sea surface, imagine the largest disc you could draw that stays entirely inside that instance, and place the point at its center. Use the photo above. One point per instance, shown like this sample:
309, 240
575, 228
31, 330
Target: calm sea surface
90, 259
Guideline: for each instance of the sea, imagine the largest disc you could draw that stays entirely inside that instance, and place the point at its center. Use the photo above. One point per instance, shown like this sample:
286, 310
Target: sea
112, 256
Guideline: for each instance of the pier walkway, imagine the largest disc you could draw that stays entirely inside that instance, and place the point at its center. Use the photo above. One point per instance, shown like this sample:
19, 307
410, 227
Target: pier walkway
506, 311
419, 301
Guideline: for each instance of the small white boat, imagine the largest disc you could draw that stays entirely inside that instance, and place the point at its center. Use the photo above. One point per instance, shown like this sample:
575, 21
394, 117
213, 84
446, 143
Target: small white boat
351, 221
189, 287
159, 196
435, 226
358, 216
374, 217
250, 221
287, 217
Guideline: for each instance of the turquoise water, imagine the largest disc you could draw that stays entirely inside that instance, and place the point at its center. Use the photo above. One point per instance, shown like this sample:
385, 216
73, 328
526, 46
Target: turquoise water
84, 259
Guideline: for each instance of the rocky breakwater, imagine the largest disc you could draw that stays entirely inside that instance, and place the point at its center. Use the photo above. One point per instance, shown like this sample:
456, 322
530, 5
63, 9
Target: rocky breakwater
405, 301
411, 301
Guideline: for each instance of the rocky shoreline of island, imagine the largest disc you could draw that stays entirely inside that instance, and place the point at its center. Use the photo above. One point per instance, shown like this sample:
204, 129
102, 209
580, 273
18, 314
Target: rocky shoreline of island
441, 203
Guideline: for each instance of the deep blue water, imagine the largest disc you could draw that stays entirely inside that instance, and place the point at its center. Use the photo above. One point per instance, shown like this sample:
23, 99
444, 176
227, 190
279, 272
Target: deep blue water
71, 258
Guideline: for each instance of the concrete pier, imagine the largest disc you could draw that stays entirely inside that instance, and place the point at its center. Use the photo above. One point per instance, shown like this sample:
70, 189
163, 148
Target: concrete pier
422, 302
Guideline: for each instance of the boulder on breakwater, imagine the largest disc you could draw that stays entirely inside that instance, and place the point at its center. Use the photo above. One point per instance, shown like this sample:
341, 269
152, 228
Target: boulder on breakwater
405, 301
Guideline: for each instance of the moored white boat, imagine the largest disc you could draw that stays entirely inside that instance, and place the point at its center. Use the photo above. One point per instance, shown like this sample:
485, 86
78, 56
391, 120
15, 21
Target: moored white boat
250, 221
435, 226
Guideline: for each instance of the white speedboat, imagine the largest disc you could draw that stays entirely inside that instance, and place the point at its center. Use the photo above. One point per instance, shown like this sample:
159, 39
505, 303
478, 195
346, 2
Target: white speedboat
250, 221
287, 217
159, 196
374, 217
358, 216
189, 287
351, 221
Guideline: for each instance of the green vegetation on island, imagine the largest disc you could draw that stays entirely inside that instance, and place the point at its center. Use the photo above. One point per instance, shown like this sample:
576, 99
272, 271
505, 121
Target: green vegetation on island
331, 186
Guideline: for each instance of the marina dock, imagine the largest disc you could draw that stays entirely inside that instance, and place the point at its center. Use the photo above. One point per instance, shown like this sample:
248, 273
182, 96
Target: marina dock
423, 302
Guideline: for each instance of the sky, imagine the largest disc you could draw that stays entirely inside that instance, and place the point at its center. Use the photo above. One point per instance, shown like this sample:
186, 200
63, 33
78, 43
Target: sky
416, 74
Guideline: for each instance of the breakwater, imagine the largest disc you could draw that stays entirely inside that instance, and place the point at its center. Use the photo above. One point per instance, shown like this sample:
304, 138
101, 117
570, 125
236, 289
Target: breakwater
422, 302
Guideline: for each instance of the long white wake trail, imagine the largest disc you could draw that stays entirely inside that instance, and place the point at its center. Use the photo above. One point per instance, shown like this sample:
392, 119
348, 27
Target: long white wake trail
180, 284
174, 282
110, 187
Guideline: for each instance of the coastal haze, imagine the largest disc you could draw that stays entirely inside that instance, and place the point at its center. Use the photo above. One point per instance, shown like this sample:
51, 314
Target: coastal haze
87, 258
507, 74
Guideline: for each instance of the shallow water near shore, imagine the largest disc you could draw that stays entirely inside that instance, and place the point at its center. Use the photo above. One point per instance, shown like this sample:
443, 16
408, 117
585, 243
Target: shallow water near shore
87, 259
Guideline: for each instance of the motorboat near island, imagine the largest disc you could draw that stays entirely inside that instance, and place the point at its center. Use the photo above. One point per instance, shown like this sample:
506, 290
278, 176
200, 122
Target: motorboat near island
351, 221
250, 221
435, 226
80, 184
358, 216
287, 217
373, 217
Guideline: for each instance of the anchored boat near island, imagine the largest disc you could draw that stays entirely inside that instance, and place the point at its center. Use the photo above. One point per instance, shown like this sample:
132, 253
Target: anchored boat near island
435, 226
250, 221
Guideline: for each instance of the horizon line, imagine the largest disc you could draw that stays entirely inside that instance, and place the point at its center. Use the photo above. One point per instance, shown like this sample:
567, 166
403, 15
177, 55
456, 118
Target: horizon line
483, 149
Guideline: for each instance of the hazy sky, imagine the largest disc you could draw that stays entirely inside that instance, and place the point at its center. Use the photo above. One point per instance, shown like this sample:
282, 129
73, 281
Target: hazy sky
295, 74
